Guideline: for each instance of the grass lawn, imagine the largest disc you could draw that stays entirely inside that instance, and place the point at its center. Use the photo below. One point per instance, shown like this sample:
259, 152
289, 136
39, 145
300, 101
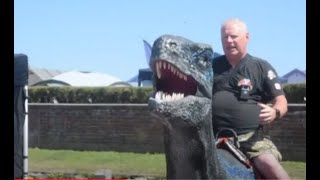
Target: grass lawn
121, 164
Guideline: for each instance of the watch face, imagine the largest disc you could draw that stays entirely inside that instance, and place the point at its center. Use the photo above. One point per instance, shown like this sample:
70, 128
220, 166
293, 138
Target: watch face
277, 113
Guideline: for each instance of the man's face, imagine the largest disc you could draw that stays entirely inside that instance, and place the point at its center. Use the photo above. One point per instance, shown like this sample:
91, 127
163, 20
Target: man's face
234, 40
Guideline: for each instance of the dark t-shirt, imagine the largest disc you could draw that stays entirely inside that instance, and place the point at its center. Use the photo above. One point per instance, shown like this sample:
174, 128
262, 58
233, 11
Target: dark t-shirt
237, 90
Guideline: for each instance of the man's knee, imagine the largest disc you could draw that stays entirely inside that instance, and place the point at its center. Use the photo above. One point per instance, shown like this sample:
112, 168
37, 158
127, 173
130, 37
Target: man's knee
265, 159
270, 167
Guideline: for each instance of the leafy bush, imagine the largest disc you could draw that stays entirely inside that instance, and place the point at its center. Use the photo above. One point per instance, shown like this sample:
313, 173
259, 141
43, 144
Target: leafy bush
67, 94
295, 93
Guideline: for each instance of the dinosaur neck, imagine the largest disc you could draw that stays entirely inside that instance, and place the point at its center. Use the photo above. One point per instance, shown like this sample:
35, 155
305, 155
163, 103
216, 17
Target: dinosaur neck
190, 147
213, 160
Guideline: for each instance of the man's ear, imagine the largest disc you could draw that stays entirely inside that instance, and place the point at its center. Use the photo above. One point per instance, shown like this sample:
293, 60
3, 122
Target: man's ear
247, 35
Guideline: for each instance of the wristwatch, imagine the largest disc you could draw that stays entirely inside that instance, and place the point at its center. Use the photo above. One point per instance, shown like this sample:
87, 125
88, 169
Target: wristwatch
277, 113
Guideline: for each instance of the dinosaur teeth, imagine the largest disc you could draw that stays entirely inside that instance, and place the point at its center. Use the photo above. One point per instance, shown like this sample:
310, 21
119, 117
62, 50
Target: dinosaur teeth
158, 65
157, 96
181, 76
164, 65
185, 78
167, 97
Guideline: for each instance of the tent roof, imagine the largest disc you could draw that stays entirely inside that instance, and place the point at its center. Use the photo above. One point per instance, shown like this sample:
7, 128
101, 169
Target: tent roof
77, 78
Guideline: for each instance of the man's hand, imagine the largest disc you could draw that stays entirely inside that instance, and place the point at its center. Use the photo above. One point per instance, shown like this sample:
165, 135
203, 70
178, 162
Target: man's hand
267, 114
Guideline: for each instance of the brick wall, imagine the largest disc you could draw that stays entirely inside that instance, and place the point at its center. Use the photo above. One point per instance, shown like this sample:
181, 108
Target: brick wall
131, 128
289, 133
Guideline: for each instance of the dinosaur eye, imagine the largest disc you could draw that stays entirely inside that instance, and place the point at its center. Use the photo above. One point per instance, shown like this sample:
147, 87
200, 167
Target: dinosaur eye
173, 44
203, 61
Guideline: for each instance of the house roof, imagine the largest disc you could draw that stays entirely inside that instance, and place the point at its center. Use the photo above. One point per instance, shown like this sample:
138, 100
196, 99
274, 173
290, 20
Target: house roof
293, 72
40, 74
44, 74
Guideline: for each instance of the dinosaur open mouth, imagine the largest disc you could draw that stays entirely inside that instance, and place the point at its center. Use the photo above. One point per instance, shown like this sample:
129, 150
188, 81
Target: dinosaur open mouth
172, 83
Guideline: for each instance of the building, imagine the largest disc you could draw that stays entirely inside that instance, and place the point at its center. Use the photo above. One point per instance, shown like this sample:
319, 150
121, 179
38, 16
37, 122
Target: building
294, 76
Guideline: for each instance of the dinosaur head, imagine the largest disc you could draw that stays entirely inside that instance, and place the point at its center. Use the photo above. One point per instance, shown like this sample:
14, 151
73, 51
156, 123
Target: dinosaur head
181, 67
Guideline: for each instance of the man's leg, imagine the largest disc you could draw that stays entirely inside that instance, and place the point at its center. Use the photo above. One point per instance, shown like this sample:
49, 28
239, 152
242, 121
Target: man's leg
270, 167
264, 154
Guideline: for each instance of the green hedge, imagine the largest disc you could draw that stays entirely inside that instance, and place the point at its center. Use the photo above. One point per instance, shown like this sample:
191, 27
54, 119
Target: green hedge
295, 93
67, 94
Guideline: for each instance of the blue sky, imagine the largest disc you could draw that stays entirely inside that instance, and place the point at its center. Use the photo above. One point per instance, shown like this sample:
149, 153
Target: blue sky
106, 35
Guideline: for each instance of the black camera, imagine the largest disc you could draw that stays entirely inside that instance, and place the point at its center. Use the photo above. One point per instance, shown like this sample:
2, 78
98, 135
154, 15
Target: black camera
244, 92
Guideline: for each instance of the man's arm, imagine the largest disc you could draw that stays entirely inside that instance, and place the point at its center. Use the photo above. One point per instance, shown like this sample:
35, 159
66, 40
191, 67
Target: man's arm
280, 103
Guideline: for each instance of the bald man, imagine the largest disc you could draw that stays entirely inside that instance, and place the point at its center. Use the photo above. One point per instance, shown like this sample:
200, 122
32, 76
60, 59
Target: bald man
243, 86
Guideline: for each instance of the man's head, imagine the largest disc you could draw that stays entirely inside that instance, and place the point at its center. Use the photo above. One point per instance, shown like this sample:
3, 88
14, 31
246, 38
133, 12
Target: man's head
234, 38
